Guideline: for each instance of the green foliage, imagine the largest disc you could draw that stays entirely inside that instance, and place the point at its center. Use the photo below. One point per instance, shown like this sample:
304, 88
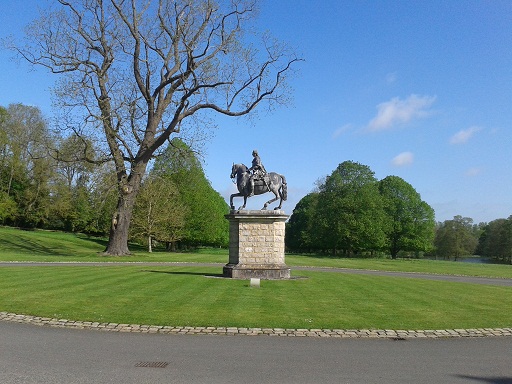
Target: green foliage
300, 229
53, 182
8, 208
349, 215
410, 222
496, 240
25, 168
204, 221
356, 214
456, 238
158, 212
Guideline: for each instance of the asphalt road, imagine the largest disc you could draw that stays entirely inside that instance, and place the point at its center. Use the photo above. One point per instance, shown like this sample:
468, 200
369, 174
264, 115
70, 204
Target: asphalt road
31, 354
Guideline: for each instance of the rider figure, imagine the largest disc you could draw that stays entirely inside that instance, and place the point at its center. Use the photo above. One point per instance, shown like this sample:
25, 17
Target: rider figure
258, 171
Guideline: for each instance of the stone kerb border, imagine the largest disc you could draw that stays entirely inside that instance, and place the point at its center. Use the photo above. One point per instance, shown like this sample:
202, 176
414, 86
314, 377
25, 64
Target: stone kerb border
333, 333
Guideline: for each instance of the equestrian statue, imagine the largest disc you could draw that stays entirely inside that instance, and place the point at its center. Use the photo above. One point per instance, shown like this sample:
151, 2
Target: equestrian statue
256, 181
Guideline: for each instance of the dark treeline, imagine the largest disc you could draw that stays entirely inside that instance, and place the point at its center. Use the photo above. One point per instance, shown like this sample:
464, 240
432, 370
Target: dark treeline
45, 183
353, 214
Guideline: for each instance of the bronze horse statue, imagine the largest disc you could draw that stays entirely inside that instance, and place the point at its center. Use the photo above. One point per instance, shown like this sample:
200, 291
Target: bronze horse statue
272, 182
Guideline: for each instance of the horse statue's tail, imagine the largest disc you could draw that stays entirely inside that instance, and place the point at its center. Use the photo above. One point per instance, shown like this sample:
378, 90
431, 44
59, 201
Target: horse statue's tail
284, 188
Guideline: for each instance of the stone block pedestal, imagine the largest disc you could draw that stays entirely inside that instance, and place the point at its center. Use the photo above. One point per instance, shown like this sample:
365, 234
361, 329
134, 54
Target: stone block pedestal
256, 245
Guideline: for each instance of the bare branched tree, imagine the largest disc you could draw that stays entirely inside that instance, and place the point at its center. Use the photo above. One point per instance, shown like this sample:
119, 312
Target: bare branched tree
136, 71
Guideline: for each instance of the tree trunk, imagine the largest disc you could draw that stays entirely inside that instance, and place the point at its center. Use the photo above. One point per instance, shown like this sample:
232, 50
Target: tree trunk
119, 230
120, 227
118, 240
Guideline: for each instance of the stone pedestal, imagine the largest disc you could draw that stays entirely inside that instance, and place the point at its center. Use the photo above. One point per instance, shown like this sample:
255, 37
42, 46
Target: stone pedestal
256, 245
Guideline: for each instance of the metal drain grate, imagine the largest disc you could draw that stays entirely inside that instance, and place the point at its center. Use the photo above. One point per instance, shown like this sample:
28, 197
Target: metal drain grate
152, 364
398, 338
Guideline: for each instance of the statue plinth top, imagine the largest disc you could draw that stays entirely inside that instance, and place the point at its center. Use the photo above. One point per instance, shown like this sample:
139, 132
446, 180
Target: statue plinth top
278, 214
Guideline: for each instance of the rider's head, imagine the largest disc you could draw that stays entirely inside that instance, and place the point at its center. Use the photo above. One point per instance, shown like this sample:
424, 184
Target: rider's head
255, 152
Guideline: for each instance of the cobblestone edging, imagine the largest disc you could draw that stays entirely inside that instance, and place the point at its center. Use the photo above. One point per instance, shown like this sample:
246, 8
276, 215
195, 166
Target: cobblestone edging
333, 333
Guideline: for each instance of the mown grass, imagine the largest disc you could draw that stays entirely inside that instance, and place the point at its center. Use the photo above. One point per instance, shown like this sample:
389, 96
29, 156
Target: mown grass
18, 245
43, 246
192, 296
441, 267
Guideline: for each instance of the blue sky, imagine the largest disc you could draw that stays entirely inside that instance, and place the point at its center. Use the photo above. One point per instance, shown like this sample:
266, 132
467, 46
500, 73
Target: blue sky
417, 89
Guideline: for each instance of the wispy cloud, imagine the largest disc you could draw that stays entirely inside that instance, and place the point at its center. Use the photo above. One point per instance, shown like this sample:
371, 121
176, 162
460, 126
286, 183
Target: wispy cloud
474, 171
464, 135
403, 159
398, 111
340, 131
391, 77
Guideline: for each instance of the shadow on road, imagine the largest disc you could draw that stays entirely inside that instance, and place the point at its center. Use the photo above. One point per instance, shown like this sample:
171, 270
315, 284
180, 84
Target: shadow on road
490, 380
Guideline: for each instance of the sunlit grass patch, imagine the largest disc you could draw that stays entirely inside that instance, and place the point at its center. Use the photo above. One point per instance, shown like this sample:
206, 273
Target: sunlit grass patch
185, 296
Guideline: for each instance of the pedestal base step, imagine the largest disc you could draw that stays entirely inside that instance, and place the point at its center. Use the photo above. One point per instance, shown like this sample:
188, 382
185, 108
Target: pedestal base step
264, 272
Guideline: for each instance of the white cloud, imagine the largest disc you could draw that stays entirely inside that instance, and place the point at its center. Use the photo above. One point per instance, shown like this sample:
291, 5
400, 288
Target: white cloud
464, 135
397, 111
403, 159
338, 132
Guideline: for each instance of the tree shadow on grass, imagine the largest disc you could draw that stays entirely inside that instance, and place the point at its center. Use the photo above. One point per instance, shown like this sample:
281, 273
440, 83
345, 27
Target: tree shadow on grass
31, 247
185, 273
94, 239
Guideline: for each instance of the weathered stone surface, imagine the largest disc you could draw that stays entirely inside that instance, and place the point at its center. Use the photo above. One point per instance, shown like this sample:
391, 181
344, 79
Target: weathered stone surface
256, 245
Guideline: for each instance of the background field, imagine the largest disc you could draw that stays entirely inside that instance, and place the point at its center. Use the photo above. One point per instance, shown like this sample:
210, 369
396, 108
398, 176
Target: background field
196, 296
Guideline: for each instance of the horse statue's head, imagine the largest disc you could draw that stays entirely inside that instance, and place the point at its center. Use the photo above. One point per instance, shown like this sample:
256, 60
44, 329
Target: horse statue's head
238, 169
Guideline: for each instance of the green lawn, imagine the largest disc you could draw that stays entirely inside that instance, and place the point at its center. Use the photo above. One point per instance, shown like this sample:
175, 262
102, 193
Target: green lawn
184, 296
38, 245
17, 245
194, 296
406, 265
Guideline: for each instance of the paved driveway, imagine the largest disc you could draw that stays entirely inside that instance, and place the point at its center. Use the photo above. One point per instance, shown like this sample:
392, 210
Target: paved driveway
31, 354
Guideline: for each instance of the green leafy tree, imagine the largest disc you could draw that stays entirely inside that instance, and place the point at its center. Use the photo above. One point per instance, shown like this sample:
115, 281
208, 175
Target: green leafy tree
496, 240
8, 208
455, 238
72, 208
158, 213
25, 168
350, 215
300, 229
204, 221
138, 72
409, 221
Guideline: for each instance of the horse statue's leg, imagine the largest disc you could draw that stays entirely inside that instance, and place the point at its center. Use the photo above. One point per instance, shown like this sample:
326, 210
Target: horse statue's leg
272, 200
283, 191
245, 203
280, 202
232, 206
